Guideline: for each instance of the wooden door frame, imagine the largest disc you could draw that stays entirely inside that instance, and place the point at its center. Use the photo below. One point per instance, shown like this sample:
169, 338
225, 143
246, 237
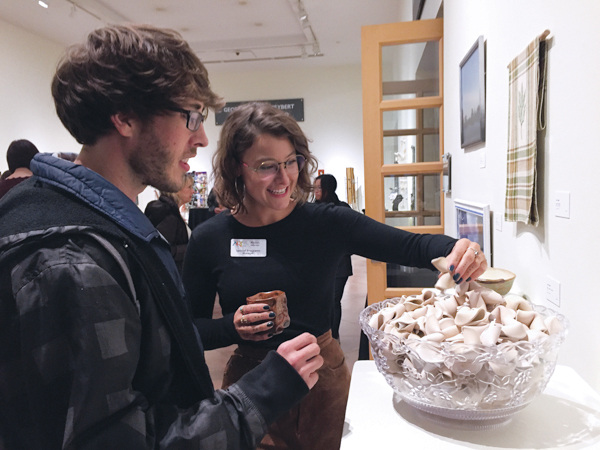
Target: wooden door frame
373, 39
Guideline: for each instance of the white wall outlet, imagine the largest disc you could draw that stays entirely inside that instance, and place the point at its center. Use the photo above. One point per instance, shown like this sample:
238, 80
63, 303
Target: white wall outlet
482, 160
553, 291
498, 219
562, 207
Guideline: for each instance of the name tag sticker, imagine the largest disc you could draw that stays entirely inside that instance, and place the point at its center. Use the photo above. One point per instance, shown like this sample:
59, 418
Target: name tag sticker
249, 248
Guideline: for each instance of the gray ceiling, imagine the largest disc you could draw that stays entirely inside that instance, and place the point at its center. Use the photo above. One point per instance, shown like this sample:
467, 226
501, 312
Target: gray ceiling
227, 34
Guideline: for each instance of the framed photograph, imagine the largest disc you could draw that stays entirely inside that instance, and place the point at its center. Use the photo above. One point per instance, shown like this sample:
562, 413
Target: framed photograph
473, 222
472, 95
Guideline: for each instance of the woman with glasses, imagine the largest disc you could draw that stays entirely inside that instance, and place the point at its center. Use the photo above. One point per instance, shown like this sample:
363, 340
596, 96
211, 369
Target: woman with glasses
274, 240
324, 192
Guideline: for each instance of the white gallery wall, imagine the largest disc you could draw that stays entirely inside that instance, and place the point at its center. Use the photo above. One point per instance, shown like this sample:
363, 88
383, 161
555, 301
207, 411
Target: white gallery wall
26, 106
564, 249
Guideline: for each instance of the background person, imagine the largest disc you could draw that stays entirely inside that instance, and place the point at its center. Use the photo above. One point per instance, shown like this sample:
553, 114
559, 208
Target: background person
97, 347
324, 192
19, 156
274, 240
165, 215
214, 207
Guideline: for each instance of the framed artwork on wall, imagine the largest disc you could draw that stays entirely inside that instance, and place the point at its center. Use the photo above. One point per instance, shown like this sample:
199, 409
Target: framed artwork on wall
473, 222
472, 95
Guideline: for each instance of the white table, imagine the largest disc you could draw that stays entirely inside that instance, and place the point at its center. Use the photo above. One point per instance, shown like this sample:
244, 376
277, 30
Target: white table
565, 416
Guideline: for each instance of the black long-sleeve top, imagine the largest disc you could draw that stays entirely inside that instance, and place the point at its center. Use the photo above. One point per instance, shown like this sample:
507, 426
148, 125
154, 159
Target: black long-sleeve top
303, 253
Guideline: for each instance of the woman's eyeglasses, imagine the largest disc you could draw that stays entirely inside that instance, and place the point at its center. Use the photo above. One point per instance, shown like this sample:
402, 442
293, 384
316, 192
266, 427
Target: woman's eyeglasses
194, 118
268, 169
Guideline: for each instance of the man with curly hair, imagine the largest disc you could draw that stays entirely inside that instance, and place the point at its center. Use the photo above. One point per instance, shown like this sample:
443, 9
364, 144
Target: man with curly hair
97, 347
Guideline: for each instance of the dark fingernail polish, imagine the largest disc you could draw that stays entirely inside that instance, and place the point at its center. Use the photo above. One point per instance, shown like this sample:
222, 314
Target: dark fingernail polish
271, 315
459, 281
452, 268
269, 324
468, 279
270, 335
266, 307
456, 276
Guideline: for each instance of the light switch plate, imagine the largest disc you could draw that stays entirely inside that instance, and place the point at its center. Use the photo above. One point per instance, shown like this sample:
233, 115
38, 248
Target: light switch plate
562, 206
553, 291
498, 221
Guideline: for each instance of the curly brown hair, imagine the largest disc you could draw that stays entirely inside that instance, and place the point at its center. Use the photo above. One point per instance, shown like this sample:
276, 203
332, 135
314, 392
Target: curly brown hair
137, 69
240, 131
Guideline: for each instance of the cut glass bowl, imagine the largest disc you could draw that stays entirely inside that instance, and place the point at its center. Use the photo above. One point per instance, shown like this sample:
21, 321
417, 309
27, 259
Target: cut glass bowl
457, 384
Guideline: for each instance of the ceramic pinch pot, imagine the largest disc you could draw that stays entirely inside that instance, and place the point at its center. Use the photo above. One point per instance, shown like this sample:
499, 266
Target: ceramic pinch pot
456, 338
277, 302
492, 298
505, 361
503, 314
440, 264
536, 336
445, 282
448, 306
525, 317
448, 328
491, 334
412, 303
499, 280
376, 321
476, 300
467, 316
514, 330
430, 352
461, 289
399, 309
432, 325
428, 296
553, 324
405, 323
517, 302
464, 361
538, 324
434, 337
472, 334
419, 312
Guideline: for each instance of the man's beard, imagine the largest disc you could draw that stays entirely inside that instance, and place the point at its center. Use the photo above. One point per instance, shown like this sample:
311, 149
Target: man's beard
151, 161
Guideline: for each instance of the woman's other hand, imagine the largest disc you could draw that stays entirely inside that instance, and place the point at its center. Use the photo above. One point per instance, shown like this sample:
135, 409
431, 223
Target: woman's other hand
466, 262
254, 322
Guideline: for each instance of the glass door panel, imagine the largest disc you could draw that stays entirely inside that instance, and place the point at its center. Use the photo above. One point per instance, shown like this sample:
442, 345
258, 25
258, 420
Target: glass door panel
412, 200
410, 70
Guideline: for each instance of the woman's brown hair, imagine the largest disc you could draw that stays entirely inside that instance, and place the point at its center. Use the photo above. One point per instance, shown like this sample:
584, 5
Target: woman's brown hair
240, 131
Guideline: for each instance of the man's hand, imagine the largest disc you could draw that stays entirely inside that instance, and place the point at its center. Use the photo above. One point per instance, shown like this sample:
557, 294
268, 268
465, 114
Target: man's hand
302, 353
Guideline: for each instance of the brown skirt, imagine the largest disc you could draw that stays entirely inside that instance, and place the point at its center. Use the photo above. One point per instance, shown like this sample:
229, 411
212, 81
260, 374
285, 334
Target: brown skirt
317, 421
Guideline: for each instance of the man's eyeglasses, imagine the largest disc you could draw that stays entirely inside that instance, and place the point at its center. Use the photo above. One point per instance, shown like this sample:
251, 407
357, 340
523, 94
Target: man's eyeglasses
194, 118
268, 169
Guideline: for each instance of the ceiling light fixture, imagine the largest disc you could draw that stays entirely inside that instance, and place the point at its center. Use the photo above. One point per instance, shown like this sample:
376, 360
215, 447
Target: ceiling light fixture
42, 4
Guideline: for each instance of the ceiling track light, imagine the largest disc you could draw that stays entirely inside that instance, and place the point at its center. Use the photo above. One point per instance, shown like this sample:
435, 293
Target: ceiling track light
42, 4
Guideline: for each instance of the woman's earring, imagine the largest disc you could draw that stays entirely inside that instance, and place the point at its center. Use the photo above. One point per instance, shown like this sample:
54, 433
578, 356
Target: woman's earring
242, 192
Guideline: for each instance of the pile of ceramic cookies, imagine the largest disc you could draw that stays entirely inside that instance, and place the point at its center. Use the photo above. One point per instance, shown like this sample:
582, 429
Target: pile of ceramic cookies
467, 314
